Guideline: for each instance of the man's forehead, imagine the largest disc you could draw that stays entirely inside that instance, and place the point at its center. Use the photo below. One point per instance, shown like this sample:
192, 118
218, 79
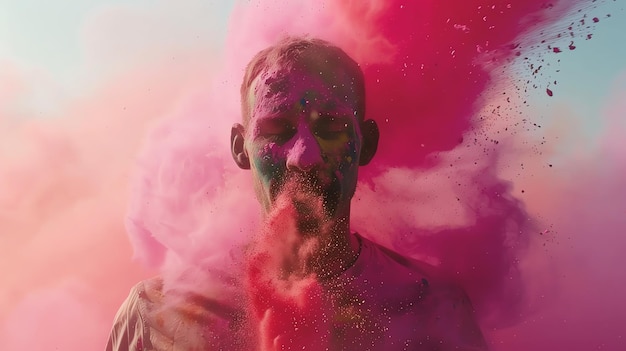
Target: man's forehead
276, 82
326, 76
279, 92
328, 62
332, 79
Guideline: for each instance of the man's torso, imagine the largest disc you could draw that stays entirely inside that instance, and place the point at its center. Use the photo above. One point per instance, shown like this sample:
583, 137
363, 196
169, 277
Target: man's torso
383, 302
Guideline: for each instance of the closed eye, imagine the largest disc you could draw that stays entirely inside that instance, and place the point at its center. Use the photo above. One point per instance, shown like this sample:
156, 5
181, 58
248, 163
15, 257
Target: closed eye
277, 129
330, 127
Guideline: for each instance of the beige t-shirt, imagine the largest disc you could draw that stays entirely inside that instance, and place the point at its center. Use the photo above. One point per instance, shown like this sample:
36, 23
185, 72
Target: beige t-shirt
383, 302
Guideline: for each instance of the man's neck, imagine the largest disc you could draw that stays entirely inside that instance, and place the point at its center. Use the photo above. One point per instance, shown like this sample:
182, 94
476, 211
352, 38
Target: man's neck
323, 245
338, 253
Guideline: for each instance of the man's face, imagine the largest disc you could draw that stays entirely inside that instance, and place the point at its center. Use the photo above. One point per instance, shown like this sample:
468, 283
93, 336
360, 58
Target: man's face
304, 127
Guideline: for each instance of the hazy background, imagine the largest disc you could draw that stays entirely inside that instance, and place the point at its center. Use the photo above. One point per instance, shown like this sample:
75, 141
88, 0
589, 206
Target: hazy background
81, 83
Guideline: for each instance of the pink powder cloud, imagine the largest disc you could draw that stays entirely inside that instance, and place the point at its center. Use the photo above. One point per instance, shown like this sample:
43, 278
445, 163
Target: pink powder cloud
575, 262
69, 176
64, 255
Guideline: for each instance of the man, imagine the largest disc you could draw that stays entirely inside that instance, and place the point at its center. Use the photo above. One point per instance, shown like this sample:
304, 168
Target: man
311, 283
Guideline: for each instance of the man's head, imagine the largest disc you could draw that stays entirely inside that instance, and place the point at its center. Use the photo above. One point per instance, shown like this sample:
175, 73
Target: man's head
303, 106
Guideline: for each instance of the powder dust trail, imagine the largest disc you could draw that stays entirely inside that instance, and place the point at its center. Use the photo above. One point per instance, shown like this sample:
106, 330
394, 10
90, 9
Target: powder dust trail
282, 292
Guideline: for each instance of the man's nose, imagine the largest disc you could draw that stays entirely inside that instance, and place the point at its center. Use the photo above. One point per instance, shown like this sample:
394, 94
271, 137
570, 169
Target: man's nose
305, 154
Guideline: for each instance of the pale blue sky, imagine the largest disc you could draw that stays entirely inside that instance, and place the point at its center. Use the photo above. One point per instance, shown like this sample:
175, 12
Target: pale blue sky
587, 73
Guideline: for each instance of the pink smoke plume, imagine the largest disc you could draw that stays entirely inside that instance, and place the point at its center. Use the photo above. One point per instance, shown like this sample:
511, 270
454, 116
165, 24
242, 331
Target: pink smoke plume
64, 255
278, 301
573, 268
61, 211
439, 195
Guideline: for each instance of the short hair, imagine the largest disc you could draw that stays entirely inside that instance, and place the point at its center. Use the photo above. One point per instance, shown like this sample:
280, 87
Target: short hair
285, 54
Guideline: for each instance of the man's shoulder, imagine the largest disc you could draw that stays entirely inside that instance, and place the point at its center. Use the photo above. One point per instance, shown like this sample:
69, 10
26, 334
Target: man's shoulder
411, 292
160, 304
129, 327
406, 275
158, 315
145, 296
149, 293
391, 263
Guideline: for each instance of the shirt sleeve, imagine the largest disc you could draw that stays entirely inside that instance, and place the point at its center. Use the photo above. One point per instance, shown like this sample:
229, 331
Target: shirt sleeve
128, 332
458, 319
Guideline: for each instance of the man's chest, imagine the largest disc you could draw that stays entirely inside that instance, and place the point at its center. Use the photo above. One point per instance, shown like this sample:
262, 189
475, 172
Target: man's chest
406, 319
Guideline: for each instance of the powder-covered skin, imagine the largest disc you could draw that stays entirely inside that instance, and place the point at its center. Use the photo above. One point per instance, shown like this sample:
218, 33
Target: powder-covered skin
299, 117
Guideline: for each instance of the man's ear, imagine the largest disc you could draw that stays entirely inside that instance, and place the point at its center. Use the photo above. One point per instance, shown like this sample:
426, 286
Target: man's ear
369, 130
237, 148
